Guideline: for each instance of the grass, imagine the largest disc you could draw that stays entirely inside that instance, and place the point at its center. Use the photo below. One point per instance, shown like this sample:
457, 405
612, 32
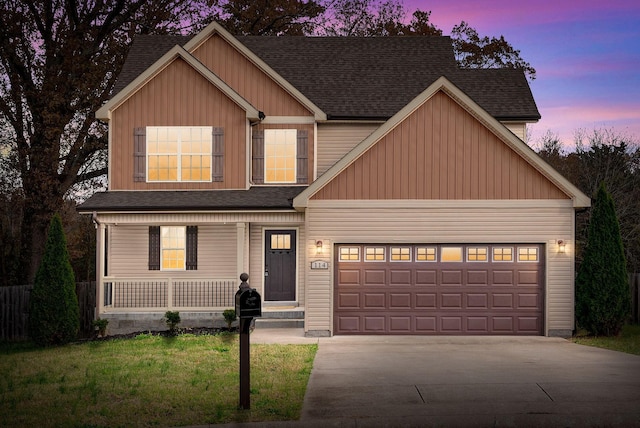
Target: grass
149, 381
628, 341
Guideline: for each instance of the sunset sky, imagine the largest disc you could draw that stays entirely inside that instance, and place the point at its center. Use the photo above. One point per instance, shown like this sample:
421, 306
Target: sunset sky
586, 53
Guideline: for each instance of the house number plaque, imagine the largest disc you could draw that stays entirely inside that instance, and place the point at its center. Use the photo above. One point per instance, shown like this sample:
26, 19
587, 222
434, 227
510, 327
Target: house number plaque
319, 264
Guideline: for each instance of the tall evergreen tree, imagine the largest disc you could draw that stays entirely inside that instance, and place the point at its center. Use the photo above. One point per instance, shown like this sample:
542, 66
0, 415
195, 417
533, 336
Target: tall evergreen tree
54, 316
603, 300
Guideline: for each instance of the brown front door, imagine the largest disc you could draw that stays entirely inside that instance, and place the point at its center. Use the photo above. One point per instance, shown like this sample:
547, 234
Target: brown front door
280, 265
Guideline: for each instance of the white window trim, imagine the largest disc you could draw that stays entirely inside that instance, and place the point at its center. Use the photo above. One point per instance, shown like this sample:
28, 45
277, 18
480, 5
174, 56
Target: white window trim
209, 132
384, 254
184, 248
295, 156
349, 246
470, 247
410, 259
513, 255
537, 260
435, 254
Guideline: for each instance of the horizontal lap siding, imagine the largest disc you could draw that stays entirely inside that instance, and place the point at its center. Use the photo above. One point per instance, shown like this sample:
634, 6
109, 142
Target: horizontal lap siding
247, 79
336, 140
178, 96
440, 151
129, 251
400, 224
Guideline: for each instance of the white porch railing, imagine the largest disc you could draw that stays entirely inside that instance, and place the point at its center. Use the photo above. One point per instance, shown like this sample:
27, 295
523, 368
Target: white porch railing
165, 294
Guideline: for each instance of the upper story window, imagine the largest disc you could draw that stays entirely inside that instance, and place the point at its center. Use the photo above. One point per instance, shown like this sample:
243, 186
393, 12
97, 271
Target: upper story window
280, 155
179, 153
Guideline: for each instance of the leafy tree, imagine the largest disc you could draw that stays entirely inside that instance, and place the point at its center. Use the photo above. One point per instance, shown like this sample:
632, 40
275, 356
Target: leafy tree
58, 63
603, 301
54, 317
268, 17
473, 51
602, 156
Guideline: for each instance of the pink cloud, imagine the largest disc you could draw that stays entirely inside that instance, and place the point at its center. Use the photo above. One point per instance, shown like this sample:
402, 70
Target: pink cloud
565, 120
495, 14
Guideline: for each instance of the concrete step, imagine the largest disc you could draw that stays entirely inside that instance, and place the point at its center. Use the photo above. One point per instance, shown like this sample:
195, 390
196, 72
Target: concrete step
279, 323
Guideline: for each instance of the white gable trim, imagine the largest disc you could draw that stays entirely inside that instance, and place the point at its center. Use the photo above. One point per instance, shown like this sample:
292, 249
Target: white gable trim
215, 28
104, 113
442, 84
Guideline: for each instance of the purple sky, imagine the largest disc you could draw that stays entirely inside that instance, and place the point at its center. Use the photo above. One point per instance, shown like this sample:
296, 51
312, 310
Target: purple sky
586, 53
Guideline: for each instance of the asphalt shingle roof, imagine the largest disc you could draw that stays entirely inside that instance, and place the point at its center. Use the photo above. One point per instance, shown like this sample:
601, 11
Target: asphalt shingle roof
363, 77
259, 198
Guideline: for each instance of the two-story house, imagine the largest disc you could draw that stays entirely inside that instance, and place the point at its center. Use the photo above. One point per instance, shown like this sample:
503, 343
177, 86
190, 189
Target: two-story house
369, 183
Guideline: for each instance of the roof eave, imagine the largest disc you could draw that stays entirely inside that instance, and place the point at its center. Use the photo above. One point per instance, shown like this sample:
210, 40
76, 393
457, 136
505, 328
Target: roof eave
104, 112
579, 199
215, 28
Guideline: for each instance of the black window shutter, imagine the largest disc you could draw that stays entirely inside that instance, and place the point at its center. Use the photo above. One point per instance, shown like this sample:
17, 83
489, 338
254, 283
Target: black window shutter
257, 153
217, 152
192, 247
303, 157
139, 154
154, 247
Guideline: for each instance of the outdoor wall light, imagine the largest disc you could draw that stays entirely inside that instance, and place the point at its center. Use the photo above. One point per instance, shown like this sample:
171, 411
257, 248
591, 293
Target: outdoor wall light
561, 246
318, 247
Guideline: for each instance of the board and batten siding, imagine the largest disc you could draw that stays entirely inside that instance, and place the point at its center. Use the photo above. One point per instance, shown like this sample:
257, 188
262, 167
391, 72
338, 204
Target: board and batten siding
440, 151
253, 84
336, 139
177, 96
129, 251
257, 245
442, 222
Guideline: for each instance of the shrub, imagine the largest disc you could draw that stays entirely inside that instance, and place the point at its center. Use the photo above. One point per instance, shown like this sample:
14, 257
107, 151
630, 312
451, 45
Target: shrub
172, 318
100, 325
229, 316
54, 315
603, 300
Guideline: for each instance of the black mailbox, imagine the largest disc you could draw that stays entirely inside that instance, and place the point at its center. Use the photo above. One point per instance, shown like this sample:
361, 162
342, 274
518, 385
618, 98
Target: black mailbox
248, 303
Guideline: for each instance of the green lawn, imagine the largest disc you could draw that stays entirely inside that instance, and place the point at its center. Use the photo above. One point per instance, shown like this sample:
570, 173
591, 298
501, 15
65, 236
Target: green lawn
149, 380
628, 341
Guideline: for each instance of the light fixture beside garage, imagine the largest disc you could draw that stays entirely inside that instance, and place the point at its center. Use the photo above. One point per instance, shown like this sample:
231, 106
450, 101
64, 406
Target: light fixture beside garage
318, 247
561, 246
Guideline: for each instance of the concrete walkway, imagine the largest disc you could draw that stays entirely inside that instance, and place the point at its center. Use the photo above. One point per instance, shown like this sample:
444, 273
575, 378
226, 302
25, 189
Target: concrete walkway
396, 381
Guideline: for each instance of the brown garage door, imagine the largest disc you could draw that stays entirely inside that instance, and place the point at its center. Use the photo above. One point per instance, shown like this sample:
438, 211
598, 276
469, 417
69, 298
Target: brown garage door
477, 289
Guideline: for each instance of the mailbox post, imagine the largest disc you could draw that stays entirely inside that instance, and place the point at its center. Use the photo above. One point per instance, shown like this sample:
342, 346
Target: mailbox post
248, 306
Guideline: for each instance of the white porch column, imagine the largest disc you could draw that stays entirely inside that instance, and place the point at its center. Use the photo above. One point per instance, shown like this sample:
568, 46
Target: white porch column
100, 262
242, 249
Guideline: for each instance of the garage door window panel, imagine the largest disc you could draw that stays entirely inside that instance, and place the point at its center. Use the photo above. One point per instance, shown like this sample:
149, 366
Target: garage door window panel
400, 254
349, 254
527, 254
426, 254
476, 254
502, 254
451, 254
374, 254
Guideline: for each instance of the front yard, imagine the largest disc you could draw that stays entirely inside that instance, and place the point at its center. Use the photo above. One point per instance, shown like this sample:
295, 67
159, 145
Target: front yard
149, 380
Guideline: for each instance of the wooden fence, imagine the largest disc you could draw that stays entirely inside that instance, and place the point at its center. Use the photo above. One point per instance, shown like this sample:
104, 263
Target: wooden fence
634, 286
14, 310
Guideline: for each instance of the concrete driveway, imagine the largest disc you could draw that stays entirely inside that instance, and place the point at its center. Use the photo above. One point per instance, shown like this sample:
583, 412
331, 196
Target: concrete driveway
393, 381
471, 382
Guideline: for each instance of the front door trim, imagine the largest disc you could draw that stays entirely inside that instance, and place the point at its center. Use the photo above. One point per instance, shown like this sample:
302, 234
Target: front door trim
265, 230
